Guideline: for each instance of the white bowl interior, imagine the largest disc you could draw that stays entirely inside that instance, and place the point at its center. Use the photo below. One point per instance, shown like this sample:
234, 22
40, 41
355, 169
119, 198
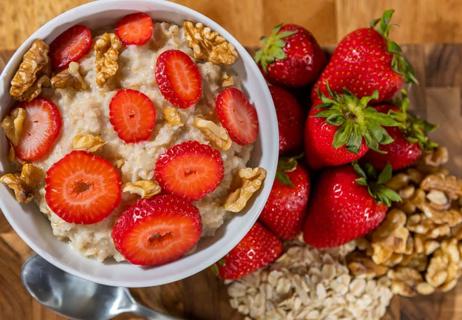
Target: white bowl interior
34, 228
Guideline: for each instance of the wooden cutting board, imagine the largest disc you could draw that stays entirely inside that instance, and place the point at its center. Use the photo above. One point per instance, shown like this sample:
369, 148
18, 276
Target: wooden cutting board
203, 296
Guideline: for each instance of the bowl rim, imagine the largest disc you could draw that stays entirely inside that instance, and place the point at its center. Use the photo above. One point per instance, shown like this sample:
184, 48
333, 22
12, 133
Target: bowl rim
96, 7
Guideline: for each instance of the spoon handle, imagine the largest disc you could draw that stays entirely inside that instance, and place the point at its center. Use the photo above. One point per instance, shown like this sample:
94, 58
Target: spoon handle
151, 314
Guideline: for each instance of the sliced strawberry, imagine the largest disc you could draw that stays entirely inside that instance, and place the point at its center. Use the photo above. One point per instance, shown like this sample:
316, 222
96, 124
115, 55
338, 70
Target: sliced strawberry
136, 28
82, 188
133, 115
178, 78
237, 115
41, 129
157, 230
189, 170
71, 45
257, 249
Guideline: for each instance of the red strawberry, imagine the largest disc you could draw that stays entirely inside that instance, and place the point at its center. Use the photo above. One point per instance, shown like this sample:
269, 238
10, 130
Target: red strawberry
290, 120
136, 28
237, 115
286, 206
367, 60
40, 131
290, 56
158, 230
190, 170
256, 250
409, 139
346, 204
82, 188
178, 78
69, 46
133, 115
341, 129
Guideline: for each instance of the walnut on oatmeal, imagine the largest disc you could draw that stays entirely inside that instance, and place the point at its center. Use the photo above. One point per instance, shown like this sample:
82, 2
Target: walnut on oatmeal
13, 125
69, 78
252, 180
143, 188
88, 142
172, 116
208, 45
216, 134
24, 183
32, 74
419, 242
107, 51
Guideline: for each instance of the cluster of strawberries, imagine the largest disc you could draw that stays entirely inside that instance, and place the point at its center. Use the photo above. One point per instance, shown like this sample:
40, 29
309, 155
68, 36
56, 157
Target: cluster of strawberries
352, 131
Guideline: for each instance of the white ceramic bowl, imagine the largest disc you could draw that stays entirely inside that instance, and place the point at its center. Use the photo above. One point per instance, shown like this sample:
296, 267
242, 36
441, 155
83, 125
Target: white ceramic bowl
34, 228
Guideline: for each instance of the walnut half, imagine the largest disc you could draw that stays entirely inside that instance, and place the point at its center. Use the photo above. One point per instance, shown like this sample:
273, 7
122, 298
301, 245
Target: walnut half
216, 134
107, 50
13, 125
208, 45
24, 183
69, 78
88, 142
252, 180
32, 73
143, 188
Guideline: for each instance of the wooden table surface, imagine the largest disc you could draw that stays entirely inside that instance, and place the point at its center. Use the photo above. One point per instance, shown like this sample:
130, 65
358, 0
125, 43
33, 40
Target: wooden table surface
420, 21
438, 66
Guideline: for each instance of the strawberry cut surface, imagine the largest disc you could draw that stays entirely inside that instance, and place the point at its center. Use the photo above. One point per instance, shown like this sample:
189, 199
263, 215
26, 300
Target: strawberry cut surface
71, 45
132, 115
178, 78
190, 170
256, 250
82, 188
135, 28
157, 230
41, 129
237, 115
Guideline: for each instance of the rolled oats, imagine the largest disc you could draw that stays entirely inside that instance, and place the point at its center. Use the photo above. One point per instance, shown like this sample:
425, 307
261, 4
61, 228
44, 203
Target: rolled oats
306, 283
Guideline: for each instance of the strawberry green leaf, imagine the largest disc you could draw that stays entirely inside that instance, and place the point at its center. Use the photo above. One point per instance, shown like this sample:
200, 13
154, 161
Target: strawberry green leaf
399, 63
375, 183
286, 165
272, 47
357, 122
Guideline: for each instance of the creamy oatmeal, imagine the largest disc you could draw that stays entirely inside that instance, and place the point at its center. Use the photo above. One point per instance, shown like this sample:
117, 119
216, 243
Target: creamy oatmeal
86, 111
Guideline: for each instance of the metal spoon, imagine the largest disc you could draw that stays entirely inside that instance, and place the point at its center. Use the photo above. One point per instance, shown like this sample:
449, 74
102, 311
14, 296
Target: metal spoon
78, 298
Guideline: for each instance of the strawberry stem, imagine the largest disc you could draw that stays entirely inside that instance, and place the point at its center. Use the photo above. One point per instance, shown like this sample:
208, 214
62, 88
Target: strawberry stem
272, 47
375, 183
415, 129
399, 63
286, 165
356, 120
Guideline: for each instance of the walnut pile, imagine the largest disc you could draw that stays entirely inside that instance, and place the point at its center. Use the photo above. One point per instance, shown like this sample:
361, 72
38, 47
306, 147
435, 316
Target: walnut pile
24, 183
419, 244
208, 45
107, 50
251, 181
32, 74
69, 78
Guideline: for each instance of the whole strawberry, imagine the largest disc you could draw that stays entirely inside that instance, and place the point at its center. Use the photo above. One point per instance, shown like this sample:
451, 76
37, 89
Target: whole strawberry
290, 120
409, 139
343, 128
256, 250
290, 56
367, 60
286, 206
346, 204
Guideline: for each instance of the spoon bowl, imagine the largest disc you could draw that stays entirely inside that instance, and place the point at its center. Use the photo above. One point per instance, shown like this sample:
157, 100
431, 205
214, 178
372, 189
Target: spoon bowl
77, 298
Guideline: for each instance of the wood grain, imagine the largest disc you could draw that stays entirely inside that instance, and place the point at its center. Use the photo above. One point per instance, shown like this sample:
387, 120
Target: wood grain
419, 21
203, 296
